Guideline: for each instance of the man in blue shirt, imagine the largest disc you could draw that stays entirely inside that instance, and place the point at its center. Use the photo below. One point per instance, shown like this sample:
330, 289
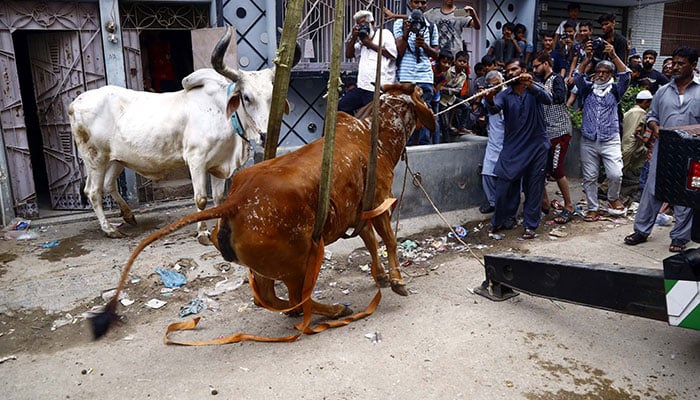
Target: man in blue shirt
416, 42
523, 158
600, 130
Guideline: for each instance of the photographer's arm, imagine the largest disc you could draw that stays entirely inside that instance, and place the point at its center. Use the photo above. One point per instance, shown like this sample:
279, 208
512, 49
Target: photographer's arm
401, 35
587, 59
476, 24
430, 50
350, 43
369, 43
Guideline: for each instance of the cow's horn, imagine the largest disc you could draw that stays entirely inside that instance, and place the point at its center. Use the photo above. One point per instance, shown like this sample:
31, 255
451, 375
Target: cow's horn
217, 56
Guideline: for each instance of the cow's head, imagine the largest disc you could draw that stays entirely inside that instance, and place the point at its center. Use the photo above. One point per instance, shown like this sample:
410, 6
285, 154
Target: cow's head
424, 115
252, 95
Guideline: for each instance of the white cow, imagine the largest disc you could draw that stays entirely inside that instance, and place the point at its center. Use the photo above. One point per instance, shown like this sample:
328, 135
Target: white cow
155, 133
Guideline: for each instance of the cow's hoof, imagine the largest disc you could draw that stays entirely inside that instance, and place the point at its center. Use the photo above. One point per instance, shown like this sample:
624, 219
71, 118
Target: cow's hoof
382, 281
346, 311
115, 234
297, 312
204, 239
131, 220
399, 288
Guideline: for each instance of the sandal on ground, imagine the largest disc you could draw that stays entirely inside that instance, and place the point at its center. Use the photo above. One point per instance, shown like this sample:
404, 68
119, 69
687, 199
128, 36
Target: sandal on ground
636, 238
563, 217
617, 211
677, 245
529, 234
510, 224
591, 216
556, 205
486, 208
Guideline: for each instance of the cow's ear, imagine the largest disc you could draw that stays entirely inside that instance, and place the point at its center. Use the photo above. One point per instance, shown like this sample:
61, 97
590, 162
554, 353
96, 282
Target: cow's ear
232, 104
425, 115
286, 107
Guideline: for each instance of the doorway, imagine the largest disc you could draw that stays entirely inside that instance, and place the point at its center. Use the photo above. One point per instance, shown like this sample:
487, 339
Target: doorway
166, 56
31, 118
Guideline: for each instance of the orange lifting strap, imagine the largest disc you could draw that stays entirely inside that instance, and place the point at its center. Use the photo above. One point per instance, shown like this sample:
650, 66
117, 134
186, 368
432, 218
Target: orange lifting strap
313, 268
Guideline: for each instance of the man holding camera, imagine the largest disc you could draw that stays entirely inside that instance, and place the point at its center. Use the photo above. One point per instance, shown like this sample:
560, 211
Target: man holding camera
600, 130
416, 42
364, 39
607, 24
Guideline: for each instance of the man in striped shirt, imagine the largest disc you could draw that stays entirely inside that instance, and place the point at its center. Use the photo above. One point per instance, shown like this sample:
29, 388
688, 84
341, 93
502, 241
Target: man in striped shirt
416, 42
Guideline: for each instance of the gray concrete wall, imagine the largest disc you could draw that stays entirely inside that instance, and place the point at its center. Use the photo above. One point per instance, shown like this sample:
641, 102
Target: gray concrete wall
449, 173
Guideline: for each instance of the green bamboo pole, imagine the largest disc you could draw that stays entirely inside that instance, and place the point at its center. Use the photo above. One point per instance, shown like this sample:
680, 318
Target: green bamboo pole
370, 184
283, 70
329, 124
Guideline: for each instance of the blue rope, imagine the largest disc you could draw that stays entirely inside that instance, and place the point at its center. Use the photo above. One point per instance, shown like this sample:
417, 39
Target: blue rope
235, 122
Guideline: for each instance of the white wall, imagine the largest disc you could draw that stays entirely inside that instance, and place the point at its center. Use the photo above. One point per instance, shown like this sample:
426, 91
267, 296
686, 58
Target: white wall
646, 24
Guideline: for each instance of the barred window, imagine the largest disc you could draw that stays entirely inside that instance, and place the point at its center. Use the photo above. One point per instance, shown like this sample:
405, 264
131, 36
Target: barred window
680, 25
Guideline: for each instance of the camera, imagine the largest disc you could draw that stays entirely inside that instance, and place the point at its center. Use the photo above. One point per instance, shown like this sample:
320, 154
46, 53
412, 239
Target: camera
598, 44
363, 31
417, 23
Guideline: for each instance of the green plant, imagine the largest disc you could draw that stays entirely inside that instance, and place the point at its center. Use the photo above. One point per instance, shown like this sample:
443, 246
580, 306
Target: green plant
629, 99
576, 118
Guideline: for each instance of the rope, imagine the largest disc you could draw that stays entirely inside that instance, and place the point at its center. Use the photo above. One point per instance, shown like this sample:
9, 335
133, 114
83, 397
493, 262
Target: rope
478, 94
437, 211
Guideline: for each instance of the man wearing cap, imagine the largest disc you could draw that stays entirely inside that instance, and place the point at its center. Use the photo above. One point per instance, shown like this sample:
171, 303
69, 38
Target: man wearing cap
634, 143
600, 130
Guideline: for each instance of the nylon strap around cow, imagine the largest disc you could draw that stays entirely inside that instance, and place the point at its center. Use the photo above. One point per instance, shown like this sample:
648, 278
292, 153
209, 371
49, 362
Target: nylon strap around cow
313, 268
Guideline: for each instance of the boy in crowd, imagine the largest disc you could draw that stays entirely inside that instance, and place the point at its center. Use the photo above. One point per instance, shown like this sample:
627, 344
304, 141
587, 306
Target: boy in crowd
456, 86
505, 48
525, 46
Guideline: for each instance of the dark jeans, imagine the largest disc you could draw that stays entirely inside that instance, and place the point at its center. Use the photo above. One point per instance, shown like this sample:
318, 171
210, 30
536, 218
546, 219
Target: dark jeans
423, 135
355, 99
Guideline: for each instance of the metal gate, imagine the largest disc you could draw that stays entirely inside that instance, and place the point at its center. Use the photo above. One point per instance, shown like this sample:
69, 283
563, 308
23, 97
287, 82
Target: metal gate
59, 76
65, 62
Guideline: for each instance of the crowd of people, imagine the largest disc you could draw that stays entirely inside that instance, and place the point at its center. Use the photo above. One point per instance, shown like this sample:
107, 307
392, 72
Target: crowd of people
528, 119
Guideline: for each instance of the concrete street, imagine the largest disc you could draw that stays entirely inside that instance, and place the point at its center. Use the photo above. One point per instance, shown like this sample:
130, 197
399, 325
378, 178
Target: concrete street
440, 342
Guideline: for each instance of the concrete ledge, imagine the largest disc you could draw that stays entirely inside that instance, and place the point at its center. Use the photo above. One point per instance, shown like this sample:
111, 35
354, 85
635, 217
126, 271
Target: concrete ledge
450, 173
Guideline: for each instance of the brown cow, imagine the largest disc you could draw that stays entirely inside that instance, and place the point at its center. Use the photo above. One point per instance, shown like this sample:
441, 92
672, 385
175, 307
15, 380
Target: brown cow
267, 220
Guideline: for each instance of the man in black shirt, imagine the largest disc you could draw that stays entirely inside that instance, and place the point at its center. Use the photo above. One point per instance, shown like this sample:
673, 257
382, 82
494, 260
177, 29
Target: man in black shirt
607, 24
649, 74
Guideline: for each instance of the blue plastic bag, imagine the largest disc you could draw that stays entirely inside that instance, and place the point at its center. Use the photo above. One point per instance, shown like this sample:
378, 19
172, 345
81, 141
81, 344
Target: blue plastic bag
171, 279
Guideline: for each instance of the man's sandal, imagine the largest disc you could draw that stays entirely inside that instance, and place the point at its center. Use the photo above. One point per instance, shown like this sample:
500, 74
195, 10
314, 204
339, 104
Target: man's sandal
591, 216
677, 245
637, 238
563, 217
529, 234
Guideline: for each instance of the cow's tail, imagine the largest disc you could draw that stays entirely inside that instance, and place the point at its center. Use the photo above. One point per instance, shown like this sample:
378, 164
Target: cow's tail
102, 321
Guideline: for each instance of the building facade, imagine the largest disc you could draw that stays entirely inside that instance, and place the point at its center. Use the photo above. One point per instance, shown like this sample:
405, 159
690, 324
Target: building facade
51, 51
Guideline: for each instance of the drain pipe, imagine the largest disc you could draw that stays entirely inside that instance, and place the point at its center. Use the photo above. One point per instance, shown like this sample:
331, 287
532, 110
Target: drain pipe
271, 23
